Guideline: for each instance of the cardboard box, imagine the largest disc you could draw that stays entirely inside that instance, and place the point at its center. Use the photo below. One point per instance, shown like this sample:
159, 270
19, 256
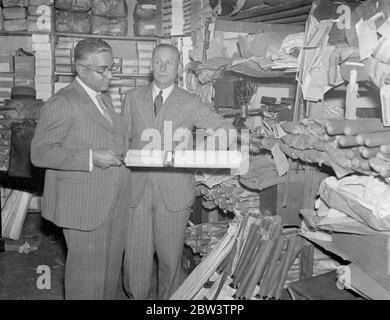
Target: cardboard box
24, 64
372, 251
6, 63
44, 71
5, 94
6, 80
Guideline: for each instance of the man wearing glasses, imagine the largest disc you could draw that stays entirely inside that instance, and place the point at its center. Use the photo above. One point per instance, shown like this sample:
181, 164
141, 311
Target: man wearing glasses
80, 139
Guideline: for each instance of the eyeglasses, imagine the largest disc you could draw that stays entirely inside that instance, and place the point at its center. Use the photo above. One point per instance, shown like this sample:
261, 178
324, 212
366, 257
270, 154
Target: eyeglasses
105, 71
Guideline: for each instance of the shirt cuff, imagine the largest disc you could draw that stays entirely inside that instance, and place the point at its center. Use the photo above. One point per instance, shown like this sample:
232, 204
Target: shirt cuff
90, 160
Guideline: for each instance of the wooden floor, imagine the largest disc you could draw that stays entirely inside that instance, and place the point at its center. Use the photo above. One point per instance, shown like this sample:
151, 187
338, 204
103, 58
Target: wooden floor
19, 277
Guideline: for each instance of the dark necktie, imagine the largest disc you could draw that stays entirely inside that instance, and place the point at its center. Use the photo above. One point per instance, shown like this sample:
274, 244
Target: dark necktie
104, 108
158, 103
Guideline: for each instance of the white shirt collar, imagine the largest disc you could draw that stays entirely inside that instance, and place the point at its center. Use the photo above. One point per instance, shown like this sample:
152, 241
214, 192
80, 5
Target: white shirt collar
165, 94
92, 93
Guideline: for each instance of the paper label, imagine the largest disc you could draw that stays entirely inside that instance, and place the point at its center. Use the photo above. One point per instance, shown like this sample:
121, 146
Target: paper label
384, 29
351, 97
4, 67
150, 27
385, 102
280, 159
278, 131
368, 38
382, 51
148, 6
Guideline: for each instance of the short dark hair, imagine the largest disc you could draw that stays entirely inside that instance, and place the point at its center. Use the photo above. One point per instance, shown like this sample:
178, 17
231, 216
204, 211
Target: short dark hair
167, 46
90, 45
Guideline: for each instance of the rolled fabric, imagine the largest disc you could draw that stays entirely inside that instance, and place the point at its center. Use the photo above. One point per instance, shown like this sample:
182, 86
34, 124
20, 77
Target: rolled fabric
265, 283
259, 268
291, 243
252, 246
369, 152
250, 270
348, 141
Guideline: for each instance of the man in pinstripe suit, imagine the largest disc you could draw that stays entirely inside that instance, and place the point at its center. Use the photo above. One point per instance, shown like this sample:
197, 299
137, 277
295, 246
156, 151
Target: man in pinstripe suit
161, 198
79, 139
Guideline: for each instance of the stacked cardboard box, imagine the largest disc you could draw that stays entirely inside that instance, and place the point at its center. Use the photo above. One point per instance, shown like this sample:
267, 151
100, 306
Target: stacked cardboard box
64, 55
118, 88
6, 77
1, 19
5, 138
176, 17
43, 66
145, 51
24, 71
130, 66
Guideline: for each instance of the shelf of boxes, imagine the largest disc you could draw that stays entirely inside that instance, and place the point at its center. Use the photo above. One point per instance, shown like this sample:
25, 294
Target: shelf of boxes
26, 16
115, 75
104, 37
31, 18
7, 77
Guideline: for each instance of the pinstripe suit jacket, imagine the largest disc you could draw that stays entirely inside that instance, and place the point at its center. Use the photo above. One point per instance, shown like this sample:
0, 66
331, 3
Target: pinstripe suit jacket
69, 126
182, 109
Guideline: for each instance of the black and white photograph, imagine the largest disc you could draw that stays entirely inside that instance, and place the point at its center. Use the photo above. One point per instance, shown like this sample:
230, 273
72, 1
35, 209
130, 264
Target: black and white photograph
206, 157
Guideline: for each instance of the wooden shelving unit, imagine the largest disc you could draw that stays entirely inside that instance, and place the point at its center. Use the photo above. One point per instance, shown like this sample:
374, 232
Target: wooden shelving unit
106, 37
115, 75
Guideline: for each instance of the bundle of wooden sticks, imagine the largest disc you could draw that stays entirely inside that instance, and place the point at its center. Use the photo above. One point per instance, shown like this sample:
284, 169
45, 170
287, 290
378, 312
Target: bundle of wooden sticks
255, 267
231, 198
263, 261
366, 143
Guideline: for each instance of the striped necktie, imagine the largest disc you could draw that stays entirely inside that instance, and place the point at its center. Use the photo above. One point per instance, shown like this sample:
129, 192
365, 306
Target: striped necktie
158, 103
103, 106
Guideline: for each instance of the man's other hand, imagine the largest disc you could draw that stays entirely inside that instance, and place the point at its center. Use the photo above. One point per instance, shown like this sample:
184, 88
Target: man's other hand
105, 158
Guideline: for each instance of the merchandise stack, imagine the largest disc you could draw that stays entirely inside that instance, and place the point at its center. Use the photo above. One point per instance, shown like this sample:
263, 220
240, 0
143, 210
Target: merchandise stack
105, 17
200, 12
130, 66
1, 19
109, 17
73, 16
6, 77
24, 71
5, 137
15, 15
63, 54
176, 17
145, 51
43, 66
148, 18
118, 90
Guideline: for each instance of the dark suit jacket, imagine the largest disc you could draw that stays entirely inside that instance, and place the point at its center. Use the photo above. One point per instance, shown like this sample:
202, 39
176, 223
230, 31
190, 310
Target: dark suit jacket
183, 109
69, 126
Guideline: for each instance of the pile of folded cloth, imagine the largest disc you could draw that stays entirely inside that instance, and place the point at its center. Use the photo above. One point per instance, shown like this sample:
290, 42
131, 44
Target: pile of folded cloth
22, 15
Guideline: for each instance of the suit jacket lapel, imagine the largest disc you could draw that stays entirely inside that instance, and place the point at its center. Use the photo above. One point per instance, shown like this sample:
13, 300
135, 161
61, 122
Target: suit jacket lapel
171, 110
89, 107
117, 119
